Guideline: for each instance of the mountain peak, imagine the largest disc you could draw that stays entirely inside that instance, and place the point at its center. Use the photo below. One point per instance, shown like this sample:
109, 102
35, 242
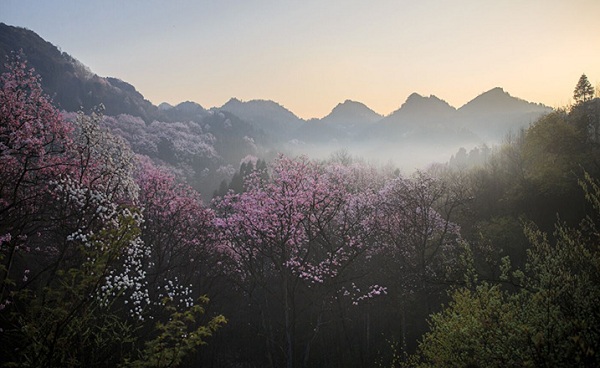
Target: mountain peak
189, 106
414, 97
352, 112
266, 115
496, 100
496, 92
418, 105
232, 102
165, 106
184, 111
258, 106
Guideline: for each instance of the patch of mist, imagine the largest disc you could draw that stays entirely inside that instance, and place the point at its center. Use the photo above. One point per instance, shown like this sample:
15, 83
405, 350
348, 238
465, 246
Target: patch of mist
406, 156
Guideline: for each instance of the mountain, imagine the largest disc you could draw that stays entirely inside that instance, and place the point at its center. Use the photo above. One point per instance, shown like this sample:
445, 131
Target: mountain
260, 127
418, 117
494, 113
346, 120
164, 106
351, 113
70, 84
497, 101
185, 111
266, 115
419, 109
488, 117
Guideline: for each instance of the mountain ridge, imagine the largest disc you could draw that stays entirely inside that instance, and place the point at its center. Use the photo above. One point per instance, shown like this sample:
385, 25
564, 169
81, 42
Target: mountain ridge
38, 51
73, 86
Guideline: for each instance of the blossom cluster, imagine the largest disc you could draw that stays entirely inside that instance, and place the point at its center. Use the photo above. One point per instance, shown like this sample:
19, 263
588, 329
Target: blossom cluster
323, 223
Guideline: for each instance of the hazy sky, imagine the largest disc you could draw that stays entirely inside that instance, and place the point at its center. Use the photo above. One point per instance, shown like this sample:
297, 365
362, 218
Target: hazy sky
310, 55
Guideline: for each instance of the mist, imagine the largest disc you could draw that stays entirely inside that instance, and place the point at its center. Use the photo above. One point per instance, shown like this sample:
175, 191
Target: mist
241, 235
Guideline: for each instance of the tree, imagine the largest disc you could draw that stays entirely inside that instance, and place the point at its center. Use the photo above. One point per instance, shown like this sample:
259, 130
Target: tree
292, 239
73, 266
177, 228
70, 247
33, 140
553, 152
548, 315
33, 145
419, 246
583, 90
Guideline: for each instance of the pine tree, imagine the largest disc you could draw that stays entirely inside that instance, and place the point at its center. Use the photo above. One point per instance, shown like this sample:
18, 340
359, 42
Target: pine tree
583, 91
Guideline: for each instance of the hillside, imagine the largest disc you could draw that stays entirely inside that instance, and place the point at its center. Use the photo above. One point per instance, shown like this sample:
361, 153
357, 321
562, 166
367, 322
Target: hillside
268, 116
70, 84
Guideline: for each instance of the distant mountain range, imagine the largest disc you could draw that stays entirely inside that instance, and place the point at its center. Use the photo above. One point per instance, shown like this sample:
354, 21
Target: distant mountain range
429, 120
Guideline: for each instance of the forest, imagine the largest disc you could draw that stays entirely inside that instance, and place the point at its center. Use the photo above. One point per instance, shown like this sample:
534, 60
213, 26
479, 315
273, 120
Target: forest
109, 259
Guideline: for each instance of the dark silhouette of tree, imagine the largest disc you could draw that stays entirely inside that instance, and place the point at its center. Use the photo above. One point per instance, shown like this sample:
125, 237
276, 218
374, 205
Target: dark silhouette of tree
583, 90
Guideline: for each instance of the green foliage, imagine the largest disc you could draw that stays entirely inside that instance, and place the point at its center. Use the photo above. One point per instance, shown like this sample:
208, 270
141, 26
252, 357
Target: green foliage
393, 355
548, 317
69, 321
176, 338
64, 321
586, 117
553, 152
479, 328
534, 174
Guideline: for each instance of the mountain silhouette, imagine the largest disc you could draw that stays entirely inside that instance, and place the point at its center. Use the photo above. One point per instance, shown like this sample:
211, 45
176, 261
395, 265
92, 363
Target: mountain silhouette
420, 109
418, 117
497, 101
266, 115
74, 87
347, 120
350, 113
70, 84
185, 111
494, 113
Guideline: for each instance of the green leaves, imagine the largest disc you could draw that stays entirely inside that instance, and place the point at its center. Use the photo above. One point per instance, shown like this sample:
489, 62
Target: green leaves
546, 316
176, 338
478, 328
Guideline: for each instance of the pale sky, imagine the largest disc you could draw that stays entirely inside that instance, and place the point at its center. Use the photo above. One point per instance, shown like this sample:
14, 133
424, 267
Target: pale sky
310, 55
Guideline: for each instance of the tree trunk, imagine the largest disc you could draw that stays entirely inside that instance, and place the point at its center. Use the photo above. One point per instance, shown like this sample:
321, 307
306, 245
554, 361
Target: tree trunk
269, 334
288, 325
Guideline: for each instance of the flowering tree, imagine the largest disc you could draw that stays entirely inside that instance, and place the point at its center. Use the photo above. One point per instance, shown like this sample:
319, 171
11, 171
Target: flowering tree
33, 140
295, 236
64, 233
419, 246
72, 261
177, 229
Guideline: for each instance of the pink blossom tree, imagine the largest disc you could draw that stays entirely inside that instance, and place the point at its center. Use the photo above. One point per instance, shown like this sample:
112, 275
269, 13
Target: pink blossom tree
72, 260
33, 145
291, 240
177, 229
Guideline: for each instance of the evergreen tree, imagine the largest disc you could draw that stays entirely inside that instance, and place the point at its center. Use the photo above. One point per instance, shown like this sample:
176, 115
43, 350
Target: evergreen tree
583, 91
